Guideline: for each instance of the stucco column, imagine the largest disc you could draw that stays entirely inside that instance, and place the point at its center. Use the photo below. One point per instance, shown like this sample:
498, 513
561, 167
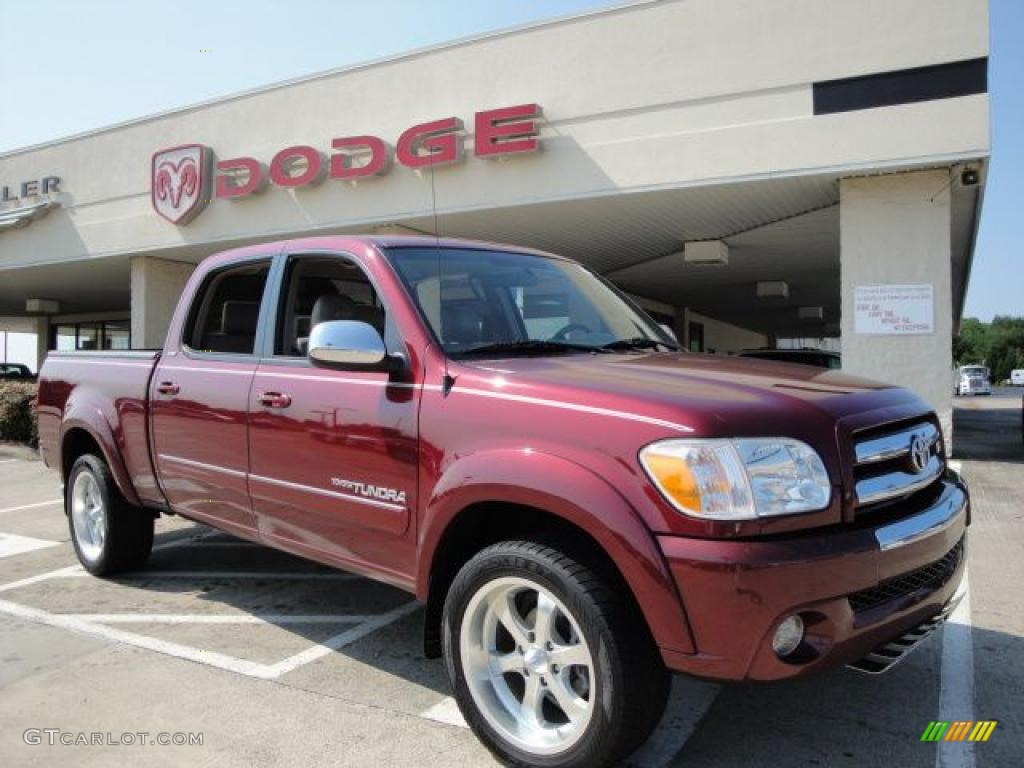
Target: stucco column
42, 331
156, 285
895, 230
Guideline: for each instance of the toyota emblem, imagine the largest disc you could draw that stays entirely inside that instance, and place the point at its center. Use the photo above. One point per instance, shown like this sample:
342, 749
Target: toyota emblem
920, 452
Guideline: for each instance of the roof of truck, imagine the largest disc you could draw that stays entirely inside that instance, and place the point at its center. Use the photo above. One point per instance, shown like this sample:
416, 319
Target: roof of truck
351, 242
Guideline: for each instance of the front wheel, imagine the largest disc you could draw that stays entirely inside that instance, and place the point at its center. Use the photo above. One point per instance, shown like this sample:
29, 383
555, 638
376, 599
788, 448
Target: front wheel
549, 666
108, 533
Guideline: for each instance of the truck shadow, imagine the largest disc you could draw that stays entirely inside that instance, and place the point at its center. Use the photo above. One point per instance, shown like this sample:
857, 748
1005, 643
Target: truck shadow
992, 430
837, 717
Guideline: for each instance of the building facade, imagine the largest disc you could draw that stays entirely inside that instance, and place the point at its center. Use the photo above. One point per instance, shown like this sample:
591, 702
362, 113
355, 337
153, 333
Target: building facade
749, 171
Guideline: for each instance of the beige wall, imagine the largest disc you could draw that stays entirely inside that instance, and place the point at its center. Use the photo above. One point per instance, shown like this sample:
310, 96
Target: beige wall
673, 106
156, 287
896, 230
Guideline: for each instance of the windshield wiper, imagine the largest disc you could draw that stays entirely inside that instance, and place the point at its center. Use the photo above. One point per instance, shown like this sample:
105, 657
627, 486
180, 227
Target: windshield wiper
638, 342
528, 347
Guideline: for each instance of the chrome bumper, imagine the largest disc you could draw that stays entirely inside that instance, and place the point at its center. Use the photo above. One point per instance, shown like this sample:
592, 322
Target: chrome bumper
942, 514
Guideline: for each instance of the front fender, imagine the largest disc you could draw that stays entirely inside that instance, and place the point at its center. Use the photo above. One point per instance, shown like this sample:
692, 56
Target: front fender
88, 415
572, 492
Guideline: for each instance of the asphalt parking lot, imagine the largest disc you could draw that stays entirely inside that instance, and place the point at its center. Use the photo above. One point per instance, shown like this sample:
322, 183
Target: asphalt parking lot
279, 662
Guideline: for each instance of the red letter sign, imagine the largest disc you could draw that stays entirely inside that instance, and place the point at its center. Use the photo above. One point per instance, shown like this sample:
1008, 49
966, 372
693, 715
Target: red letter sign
341, 163
440, 139
280, 167
253, 173
503, 131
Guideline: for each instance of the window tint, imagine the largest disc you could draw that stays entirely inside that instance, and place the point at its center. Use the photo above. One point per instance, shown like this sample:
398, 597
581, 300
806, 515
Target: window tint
319, 289
226, 313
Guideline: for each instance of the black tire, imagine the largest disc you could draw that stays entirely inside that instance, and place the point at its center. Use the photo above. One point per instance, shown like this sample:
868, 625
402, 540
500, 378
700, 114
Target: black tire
127, 530
632, 683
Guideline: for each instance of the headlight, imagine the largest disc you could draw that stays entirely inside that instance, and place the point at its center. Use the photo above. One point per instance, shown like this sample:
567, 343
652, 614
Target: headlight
738, 479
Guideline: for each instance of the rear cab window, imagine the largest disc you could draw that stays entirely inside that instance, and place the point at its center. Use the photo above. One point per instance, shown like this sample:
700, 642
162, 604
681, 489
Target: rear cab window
224, 317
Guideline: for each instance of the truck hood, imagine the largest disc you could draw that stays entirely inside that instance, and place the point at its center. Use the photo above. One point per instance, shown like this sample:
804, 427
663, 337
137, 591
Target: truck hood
711, 394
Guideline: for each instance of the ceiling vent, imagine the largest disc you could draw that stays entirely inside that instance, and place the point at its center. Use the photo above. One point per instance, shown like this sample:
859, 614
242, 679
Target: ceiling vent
42, 306
706, 253
773, 289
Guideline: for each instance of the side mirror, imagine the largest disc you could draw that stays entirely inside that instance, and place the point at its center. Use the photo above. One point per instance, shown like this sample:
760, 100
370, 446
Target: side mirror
347, 343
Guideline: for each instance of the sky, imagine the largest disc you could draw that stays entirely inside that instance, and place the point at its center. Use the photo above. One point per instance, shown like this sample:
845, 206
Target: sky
68, 66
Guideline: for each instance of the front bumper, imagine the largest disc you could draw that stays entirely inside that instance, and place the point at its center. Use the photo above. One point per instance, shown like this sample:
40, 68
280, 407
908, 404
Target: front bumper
736, 592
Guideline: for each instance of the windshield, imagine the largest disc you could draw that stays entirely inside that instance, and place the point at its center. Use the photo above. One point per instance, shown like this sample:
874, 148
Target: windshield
975, 371
504, 302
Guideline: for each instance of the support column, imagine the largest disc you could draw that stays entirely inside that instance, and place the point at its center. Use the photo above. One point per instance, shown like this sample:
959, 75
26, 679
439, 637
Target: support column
42, 331
895, 230
156, 285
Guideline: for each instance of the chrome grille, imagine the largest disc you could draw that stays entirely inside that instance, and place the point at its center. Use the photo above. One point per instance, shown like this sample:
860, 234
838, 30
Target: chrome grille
888, 468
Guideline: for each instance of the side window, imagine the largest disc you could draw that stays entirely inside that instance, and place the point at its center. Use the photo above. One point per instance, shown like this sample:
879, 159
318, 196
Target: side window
318, 289
226, 311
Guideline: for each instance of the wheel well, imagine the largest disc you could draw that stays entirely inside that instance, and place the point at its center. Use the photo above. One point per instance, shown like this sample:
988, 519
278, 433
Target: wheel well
77, 442
486, 523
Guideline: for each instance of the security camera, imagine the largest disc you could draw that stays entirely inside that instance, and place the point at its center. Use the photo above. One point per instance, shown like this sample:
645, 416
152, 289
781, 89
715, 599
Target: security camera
969, 177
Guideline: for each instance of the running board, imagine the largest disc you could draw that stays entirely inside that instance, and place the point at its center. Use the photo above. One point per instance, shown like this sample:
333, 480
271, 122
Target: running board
886, 656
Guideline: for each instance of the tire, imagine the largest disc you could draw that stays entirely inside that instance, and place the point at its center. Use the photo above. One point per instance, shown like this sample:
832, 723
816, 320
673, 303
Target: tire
605, 698
109, 534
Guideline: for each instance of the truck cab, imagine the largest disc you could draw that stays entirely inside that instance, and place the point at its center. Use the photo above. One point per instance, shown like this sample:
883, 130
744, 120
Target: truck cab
972, 380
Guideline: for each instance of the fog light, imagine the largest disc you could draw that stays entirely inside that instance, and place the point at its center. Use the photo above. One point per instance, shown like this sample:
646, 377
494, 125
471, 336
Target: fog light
788, 636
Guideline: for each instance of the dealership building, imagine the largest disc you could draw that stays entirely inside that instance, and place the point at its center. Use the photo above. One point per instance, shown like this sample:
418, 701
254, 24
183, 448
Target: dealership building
753, 173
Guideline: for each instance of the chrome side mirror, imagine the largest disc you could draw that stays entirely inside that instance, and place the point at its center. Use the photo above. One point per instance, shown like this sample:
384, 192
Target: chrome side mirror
349, 343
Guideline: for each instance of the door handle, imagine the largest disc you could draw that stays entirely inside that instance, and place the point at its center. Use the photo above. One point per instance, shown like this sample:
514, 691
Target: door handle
168, 388
275, 400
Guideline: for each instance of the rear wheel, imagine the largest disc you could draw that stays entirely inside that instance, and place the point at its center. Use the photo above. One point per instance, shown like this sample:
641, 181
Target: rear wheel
109, 534
549, 667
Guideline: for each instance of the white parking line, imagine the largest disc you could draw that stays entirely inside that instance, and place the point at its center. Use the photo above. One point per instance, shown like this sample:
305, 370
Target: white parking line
219, 618
71, 570
12, 544
445, 711
8, 461
342, 639
688, 702
268, 575
32, 506
210, 658
82, 625
956, 682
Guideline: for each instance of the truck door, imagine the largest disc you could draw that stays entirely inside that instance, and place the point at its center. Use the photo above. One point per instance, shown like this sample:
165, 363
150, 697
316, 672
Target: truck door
333, 454
200, 397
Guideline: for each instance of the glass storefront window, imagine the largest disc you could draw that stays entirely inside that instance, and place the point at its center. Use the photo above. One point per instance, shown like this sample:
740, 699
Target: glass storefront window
66, 335
116, 334
89, 336
94, 334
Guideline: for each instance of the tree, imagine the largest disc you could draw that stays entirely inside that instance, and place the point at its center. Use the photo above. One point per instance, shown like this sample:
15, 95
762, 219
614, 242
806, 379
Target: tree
998, 345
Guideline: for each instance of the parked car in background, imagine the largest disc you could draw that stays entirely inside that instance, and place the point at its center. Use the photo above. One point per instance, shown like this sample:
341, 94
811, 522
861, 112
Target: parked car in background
1017, 377
16, 371
972, 380
821, 358
582, 506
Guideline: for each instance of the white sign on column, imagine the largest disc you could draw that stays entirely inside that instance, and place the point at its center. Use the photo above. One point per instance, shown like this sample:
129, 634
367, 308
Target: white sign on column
894, 310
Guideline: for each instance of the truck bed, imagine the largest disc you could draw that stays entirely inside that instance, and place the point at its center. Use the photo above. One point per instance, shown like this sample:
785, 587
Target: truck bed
104, 394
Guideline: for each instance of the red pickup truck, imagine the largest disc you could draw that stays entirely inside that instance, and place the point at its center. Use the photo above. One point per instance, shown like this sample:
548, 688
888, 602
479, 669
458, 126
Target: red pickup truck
582, 507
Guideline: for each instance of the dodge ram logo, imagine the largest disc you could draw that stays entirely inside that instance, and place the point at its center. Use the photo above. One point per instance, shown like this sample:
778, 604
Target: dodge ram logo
920, 453
181, 182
